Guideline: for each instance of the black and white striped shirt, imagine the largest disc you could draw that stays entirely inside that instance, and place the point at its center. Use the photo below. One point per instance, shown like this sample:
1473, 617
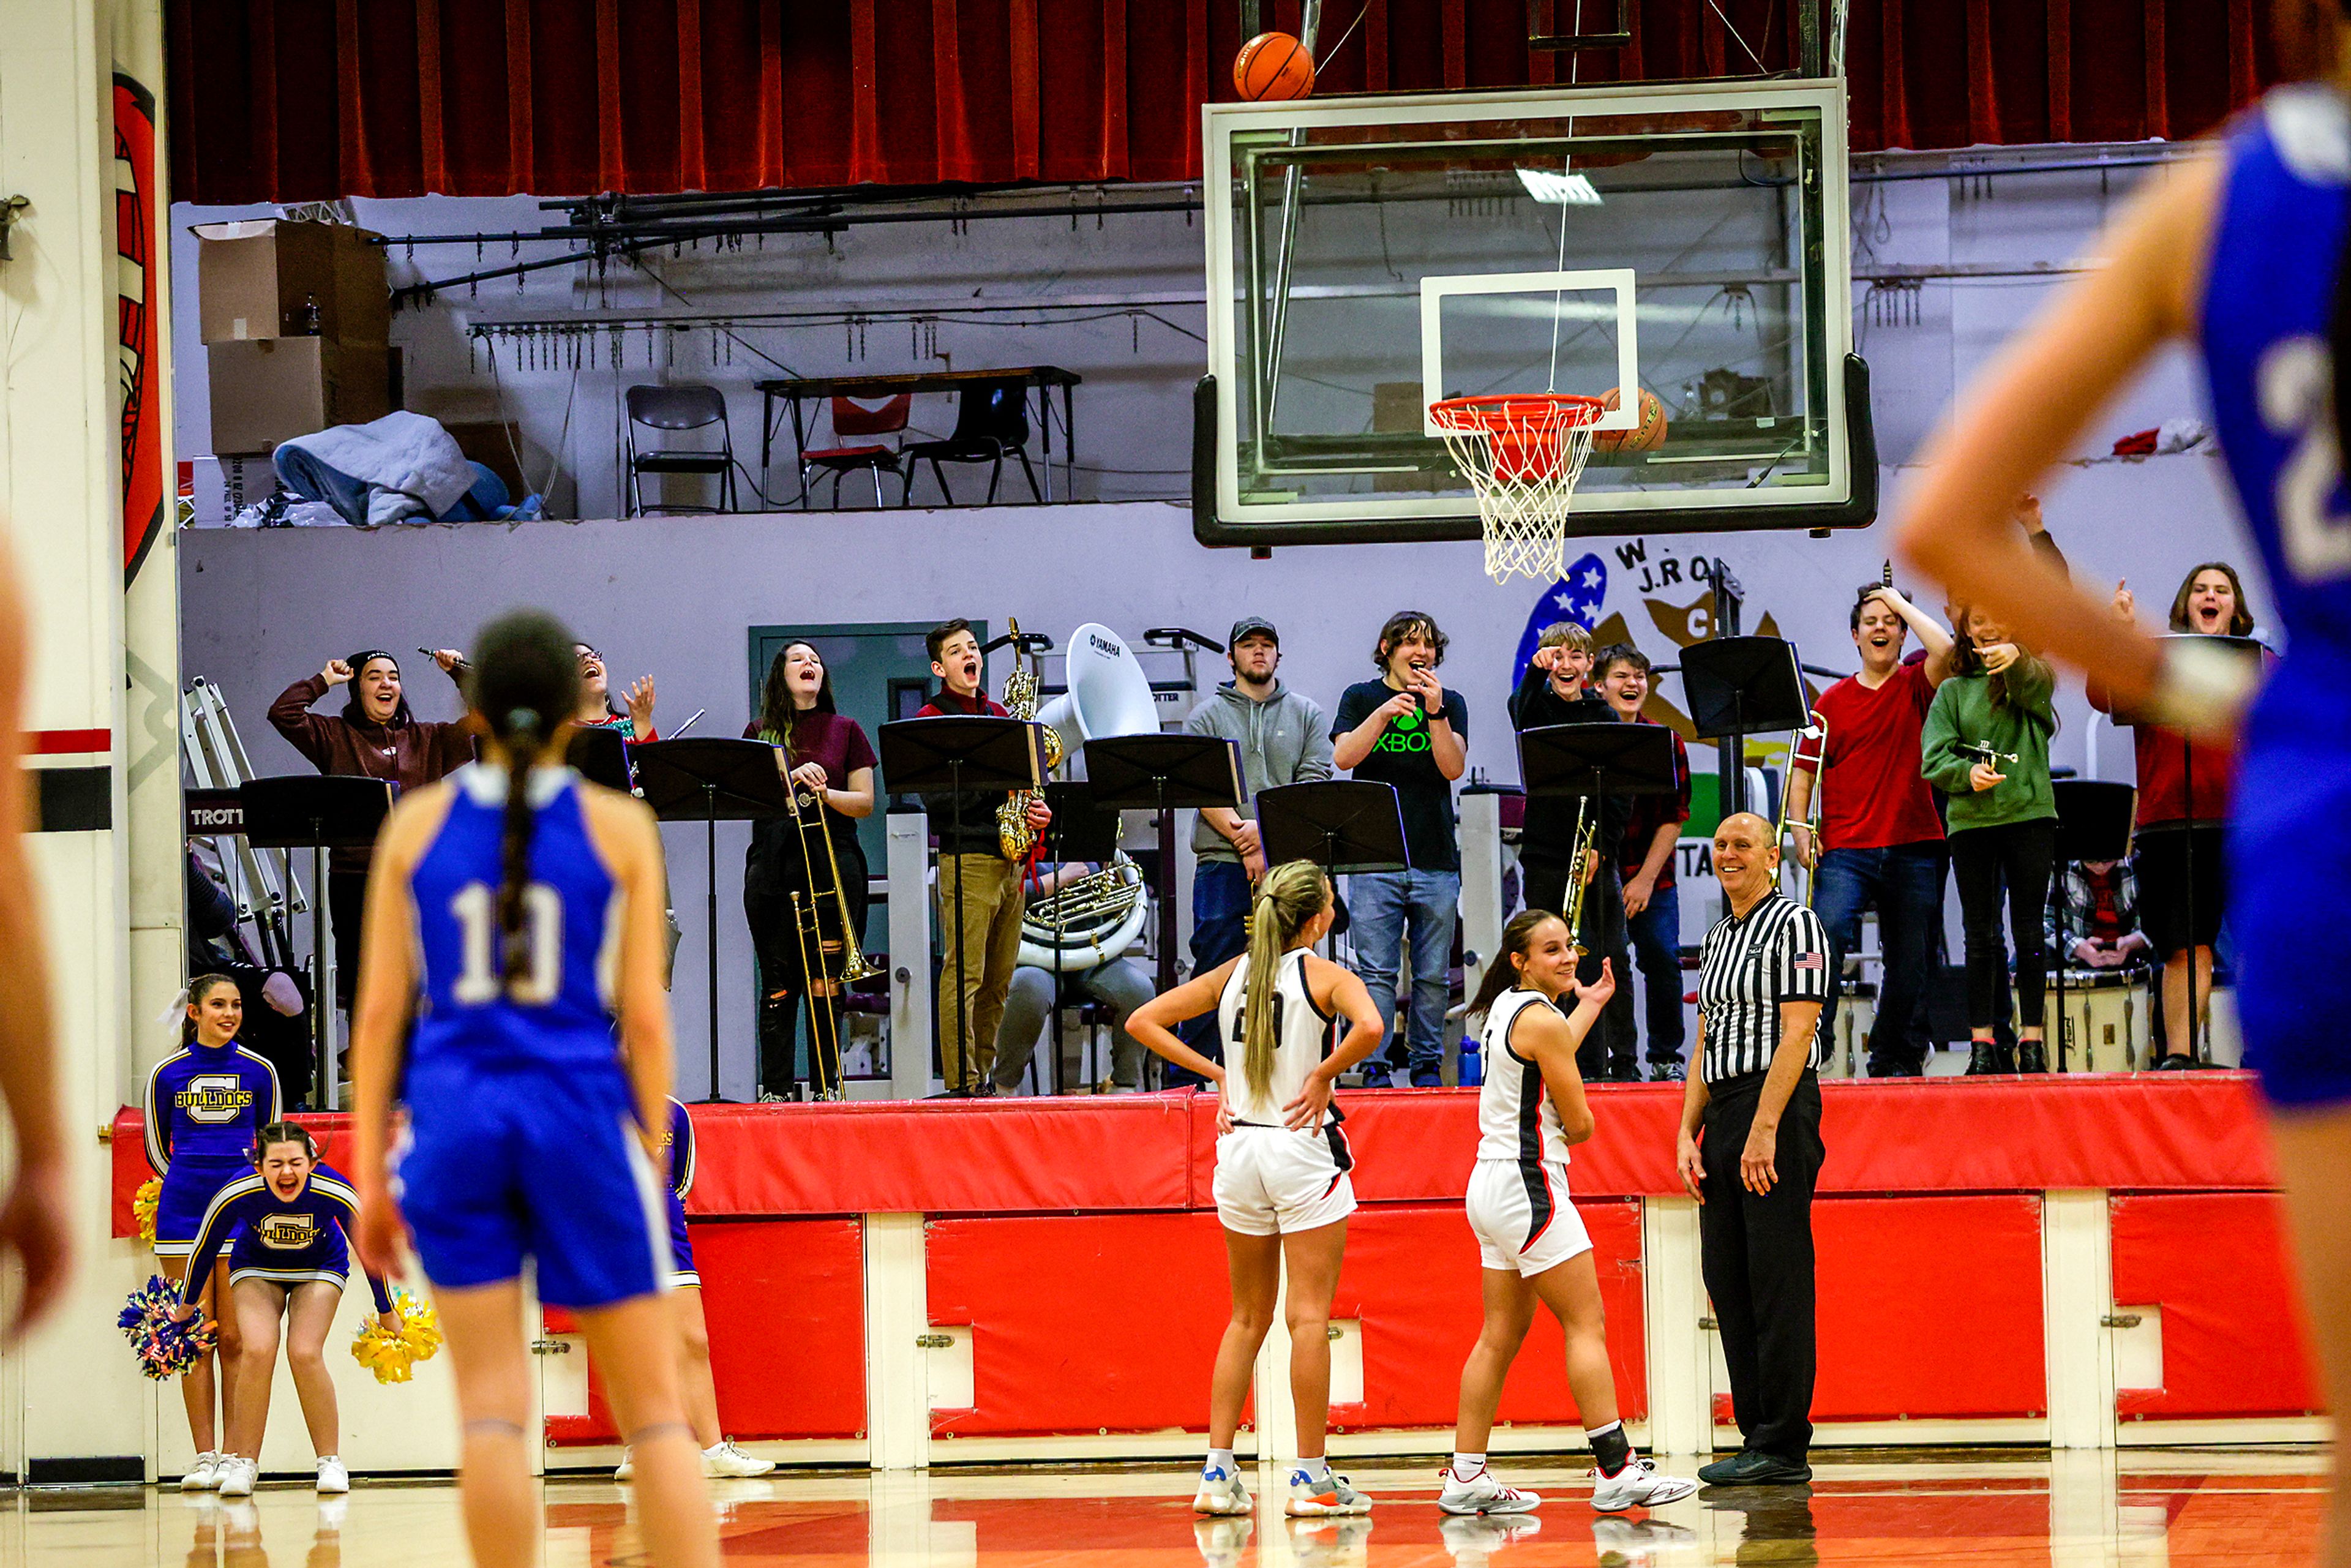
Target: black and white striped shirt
1777, 953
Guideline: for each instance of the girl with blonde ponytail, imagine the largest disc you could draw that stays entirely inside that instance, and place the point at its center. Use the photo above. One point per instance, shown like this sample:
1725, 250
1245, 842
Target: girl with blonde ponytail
1281, 1186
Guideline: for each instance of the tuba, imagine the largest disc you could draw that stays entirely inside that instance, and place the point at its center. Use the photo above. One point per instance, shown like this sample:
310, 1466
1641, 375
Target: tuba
1093, 920
1013, 830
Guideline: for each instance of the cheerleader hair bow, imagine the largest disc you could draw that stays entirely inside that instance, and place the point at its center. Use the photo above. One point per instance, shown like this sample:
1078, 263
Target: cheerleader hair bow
392, 1356
165, 1347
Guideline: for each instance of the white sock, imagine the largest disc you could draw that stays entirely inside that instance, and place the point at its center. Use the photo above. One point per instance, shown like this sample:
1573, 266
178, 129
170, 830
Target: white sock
1219, 1460
1467, 1466
1318, 1468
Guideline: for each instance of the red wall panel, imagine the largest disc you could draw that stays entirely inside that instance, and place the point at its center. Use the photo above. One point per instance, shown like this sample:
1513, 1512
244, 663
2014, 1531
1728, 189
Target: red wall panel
785, 1303
1898, 1276
1080, 1322
2234, 1342
1412, 1278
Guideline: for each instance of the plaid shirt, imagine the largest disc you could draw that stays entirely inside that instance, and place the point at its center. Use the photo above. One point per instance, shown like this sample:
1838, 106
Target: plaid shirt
2068, 918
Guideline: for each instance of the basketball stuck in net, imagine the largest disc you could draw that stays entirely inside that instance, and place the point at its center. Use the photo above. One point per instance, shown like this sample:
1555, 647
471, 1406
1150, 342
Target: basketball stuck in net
1522, 455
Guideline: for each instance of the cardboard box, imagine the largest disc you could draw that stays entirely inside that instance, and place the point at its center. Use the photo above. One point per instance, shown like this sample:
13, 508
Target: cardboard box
265, 278
493, 444
221, 487
269, 389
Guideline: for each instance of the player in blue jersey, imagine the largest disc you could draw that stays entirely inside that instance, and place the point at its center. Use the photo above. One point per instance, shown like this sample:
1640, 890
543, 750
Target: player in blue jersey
204, 1104
2242, 256
720, 1458
513, 924
281, 1230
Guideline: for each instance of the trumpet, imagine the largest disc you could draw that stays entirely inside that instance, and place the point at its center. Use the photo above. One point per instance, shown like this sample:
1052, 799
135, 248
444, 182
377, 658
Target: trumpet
1816, 732
1580, 874
824, 986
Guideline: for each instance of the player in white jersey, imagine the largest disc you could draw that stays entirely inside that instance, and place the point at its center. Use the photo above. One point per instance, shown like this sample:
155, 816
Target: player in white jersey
1281, 1182
1530, 1243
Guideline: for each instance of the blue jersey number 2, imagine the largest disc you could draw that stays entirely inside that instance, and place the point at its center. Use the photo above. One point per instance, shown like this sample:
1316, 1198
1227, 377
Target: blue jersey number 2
475, 908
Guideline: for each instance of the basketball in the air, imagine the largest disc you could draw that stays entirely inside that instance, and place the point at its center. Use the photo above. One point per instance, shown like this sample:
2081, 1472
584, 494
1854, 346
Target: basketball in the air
1273, 65
1646, 436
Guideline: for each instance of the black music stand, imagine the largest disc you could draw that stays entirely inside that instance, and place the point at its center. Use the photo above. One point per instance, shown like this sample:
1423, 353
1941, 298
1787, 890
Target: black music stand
1164, 772
708, 780
1081, 831
2094, 823
1339, 824
317, 812
1739, 686
601, 756
958, 754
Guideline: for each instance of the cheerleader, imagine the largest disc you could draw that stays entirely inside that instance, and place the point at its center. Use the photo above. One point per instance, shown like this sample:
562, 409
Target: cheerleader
1530, 1241
1281, 1184
516, 909
720, 1458
288, 1220
205, 1104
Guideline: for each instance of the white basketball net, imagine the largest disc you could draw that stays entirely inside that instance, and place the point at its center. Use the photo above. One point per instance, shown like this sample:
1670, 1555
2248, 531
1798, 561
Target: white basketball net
1522, 455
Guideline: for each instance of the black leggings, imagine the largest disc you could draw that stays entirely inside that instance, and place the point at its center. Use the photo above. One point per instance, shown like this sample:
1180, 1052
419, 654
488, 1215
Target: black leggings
2020, 856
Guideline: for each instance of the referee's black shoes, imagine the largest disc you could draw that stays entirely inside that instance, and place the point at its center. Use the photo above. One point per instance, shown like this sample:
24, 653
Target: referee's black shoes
1749, 1468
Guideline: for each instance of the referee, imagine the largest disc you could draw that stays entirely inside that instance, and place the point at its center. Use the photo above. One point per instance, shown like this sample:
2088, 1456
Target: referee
1753, 1107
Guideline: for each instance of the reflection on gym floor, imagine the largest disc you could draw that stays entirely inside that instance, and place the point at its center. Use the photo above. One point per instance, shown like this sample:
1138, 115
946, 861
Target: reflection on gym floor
2144, 1509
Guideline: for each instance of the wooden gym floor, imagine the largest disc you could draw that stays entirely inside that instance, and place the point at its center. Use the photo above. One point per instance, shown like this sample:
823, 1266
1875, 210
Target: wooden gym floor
2142, 1508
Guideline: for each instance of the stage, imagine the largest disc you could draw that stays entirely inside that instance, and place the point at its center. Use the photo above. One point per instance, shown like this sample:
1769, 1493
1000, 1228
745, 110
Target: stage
2076, 1261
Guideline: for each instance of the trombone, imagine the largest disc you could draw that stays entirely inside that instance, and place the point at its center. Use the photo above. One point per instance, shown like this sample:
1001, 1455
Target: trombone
1580, 873
823, 987
1815, 732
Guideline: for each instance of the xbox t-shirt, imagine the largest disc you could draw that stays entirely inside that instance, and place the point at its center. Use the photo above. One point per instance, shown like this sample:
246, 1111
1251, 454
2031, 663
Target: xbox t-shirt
1400, 756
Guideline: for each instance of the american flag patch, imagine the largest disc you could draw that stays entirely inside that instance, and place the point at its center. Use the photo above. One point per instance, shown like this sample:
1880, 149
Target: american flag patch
1810, 961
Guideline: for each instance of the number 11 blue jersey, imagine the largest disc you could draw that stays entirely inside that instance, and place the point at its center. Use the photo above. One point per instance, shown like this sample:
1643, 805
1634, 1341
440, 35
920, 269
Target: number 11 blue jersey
561, 1014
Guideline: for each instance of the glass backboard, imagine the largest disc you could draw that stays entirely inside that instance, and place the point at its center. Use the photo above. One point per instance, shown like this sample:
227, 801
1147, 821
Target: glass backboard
1683, 247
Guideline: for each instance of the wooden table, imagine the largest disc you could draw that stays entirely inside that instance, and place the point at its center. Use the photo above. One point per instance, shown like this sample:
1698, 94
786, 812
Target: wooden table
797, 391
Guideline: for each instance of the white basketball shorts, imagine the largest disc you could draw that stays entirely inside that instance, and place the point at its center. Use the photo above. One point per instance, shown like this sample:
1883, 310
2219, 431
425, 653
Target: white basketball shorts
1271, 1181
1522, 1216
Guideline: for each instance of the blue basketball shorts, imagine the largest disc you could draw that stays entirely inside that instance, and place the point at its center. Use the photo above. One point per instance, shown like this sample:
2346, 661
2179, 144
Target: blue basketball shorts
533, 1163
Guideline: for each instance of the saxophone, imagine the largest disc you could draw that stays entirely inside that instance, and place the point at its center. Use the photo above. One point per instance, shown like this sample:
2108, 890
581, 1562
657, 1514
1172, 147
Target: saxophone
1013, 830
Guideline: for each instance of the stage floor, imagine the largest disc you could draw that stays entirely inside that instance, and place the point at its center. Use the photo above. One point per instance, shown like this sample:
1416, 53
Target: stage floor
2184, 1508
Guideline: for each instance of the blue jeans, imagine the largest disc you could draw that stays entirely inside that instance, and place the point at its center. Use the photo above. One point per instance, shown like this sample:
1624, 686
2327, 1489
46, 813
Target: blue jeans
1220, 906
1657, 934
1905, 882
1381, 905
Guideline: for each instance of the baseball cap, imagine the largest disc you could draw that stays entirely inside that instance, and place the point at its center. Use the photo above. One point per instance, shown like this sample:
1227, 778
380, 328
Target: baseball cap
1249, 625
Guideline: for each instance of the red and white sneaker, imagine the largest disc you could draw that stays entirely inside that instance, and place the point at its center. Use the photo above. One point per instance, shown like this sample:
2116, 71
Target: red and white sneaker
1481, 1493
1638, 1485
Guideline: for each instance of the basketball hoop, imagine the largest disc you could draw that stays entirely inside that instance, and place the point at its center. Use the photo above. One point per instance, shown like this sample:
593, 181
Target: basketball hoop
1522, 455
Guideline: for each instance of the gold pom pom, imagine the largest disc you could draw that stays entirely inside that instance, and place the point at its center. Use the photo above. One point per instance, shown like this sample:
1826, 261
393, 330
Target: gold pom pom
144, 1203
391, 1356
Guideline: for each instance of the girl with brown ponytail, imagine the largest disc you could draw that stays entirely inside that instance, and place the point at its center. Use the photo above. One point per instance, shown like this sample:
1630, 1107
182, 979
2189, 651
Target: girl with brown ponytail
1281, 1186
514, 911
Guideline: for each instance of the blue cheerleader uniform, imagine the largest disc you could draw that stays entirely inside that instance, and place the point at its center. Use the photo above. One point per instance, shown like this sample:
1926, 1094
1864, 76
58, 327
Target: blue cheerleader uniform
288, 1241
523, 1140
678, 1143
204, 1105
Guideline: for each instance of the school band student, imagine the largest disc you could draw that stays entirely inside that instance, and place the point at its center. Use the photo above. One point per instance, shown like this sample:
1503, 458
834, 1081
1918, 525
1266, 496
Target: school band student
1653, 828
974, 873
1284, 739
1407, 730
1532, 1249
1556, 688
1986, 744
1880, 842
1281, 1184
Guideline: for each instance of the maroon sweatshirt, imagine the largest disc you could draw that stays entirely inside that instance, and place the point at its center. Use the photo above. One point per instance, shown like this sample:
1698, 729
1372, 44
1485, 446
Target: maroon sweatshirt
410, 752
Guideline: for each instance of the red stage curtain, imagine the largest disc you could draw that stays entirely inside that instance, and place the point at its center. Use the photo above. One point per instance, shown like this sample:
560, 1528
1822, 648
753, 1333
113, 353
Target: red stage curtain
301, 99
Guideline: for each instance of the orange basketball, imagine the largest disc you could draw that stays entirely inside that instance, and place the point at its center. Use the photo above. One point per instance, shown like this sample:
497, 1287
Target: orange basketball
1273, 65
1647, 436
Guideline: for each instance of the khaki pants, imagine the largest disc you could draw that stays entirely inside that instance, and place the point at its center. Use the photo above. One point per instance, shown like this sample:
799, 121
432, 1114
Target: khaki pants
992, 895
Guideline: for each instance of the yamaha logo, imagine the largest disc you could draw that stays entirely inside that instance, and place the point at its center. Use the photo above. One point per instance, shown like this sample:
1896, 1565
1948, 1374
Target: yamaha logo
1102, 645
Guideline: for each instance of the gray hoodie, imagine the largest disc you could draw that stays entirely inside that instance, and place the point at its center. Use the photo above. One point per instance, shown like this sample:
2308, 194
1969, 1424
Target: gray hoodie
1284, 739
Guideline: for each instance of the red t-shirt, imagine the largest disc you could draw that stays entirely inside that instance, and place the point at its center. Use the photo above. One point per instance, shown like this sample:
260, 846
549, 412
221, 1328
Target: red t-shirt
1874, 795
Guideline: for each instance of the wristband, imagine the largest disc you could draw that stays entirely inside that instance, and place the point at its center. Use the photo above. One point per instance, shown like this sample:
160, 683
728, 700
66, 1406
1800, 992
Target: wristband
2201, 690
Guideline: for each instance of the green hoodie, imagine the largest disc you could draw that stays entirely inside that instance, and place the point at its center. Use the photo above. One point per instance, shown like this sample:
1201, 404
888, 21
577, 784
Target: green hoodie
1964, 714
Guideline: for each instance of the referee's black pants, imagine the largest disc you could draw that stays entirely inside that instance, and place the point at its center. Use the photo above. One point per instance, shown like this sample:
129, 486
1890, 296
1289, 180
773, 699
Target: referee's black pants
1756, 1252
